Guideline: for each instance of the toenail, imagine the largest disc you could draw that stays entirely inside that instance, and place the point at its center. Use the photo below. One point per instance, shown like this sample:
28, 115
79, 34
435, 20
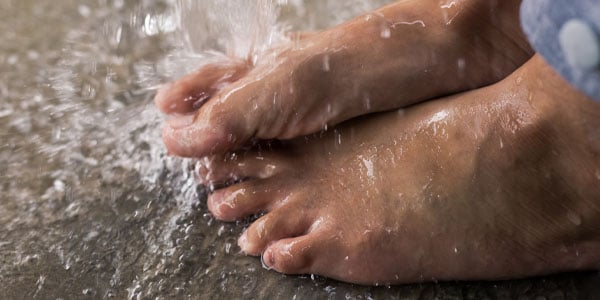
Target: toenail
180, 121
268, 259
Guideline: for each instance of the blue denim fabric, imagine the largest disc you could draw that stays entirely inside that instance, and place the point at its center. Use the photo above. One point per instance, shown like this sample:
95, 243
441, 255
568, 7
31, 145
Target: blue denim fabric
542, 21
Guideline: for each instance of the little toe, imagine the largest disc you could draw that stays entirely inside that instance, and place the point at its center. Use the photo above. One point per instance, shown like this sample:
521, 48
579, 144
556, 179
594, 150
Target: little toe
243, 199
292, 255
189, 92
272, 227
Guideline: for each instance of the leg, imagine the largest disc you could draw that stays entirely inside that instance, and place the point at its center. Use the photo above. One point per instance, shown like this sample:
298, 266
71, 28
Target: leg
500, 182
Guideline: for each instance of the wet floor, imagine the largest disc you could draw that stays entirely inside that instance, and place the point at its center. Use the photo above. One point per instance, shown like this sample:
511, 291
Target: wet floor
91, 206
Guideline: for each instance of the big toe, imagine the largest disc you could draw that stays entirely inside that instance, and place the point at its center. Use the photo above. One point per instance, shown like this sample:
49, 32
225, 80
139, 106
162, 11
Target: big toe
207, 132
189, 92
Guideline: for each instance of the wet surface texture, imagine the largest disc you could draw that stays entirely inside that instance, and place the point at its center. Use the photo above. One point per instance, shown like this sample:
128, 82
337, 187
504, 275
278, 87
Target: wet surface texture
91, 206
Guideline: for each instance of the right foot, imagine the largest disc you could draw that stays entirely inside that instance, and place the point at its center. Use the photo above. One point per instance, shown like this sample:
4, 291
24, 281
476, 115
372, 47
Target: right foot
500, 182
402, 54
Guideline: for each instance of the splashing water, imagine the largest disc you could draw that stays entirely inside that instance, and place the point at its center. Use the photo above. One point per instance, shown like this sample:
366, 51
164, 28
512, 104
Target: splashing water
91, 204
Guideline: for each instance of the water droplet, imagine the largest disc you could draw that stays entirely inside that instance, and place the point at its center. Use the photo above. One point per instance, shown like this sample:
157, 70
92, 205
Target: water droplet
461, 64
367, 102
448, 5
84, 10
33, 55
386, 32
12, 60
519, 80
574, 218
326, 66
264, 265
188, 229
87, 291
59, 186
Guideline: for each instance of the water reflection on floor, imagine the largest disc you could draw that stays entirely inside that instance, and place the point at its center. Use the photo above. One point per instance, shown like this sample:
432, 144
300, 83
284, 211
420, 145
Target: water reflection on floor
90, 205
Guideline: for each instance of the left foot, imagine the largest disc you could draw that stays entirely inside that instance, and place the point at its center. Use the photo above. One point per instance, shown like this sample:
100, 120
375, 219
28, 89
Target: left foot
381, 61
501, 182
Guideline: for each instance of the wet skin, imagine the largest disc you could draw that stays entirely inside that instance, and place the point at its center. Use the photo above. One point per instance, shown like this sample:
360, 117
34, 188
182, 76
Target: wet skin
402, 54
499, 182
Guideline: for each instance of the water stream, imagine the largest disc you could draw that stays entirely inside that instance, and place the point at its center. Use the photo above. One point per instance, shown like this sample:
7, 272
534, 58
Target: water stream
92, 207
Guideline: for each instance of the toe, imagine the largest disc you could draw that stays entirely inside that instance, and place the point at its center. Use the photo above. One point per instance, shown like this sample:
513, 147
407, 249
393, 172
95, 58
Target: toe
189, 92
253, 107
197, 139
272, 227
215, 128
317, 252
291, 255
244, 199
222, 168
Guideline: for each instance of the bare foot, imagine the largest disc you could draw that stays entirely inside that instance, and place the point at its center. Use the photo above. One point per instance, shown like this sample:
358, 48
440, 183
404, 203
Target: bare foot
402, 54
500, 182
